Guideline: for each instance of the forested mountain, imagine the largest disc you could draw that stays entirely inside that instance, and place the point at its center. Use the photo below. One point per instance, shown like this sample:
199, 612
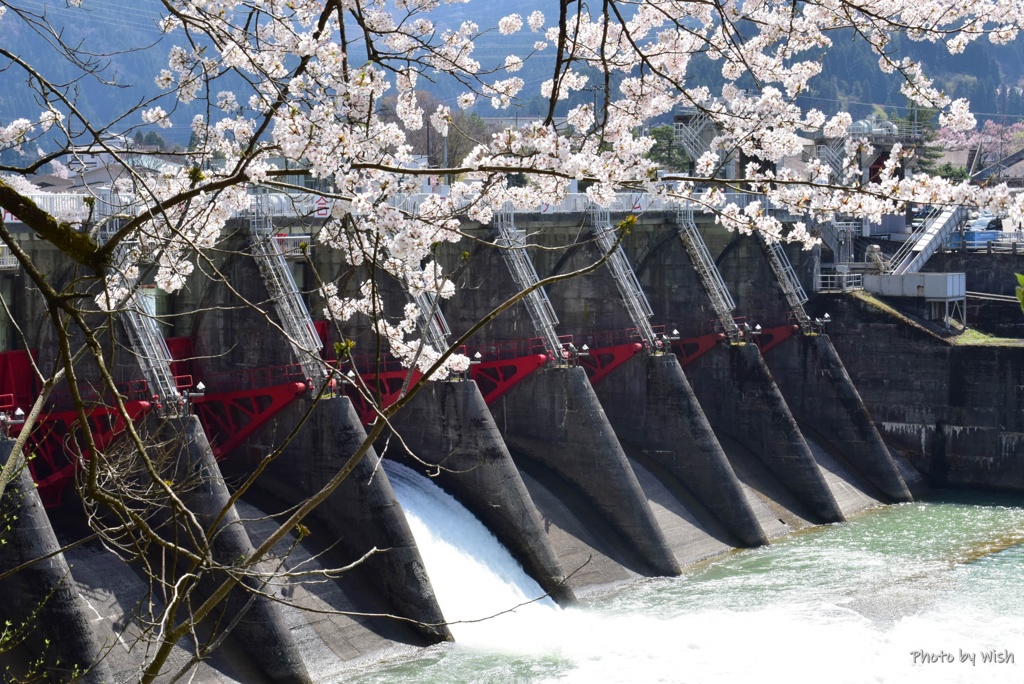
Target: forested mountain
124, 40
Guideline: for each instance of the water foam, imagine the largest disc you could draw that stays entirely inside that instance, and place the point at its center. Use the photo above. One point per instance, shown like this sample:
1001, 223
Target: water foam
849, 604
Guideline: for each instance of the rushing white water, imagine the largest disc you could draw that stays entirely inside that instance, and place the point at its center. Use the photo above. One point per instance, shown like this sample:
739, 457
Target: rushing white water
483, 592
918, 593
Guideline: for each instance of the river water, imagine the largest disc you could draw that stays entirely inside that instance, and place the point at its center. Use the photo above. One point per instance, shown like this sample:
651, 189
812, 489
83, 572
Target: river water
922, 592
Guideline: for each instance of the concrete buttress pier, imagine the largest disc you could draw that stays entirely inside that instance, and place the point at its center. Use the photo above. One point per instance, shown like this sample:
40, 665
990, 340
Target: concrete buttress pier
820, 393
361, 515
46, 600
813, 380
553, 418
734, 387
649, 403
451, 433
753, 411
260, 629
600, 523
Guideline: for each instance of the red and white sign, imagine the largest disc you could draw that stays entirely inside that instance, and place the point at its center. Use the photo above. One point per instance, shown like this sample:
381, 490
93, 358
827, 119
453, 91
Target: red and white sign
323, 207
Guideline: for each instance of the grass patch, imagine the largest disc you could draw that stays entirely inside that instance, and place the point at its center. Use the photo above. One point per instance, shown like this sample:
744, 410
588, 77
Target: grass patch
957, 335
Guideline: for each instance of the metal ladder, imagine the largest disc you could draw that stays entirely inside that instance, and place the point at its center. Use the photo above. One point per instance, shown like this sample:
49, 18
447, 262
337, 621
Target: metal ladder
284, 293
152, 352
633, 296
147, 342
791, 287
721, 300
524, 274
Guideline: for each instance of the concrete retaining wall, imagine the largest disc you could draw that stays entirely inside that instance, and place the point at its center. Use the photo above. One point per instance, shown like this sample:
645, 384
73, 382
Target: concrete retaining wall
956, 412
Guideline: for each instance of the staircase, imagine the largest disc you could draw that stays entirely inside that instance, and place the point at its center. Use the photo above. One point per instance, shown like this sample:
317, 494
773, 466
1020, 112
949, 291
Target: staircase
154, 358
432, 322
139, 320
833, 154
689, 134
786, 276
513, 244
633, 296
710, 276
916, 251
291, 311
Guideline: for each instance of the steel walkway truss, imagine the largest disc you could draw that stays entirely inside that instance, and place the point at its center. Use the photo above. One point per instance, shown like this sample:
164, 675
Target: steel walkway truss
916, 251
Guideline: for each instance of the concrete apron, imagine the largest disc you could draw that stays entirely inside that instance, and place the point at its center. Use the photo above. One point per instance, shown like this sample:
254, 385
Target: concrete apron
653, 409
554, 420
819, 392
45, 597
741, 399
449, 431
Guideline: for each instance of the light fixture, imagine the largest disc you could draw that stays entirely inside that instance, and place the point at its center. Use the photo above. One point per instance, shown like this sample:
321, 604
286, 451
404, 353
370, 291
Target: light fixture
827, 318
478, 356
757, 328
18, 413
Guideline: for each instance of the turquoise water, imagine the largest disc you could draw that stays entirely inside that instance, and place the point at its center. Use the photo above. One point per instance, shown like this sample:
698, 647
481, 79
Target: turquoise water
908, 593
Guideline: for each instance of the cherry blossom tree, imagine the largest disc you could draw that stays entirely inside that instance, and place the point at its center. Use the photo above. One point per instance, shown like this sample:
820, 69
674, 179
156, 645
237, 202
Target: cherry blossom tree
265, 87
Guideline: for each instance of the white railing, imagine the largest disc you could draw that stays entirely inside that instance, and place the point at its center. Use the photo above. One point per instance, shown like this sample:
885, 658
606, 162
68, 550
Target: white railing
295, 246
839, 282
308, 205
8, 262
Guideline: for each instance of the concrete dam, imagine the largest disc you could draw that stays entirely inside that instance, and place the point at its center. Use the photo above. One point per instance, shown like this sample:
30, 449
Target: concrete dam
664, 391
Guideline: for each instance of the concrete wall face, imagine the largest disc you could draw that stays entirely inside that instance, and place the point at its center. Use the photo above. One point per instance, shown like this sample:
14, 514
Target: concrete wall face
229, 335
956, 412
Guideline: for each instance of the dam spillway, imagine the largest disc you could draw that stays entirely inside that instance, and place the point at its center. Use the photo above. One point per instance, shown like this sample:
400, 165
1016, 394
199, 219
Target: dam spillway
590, 481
